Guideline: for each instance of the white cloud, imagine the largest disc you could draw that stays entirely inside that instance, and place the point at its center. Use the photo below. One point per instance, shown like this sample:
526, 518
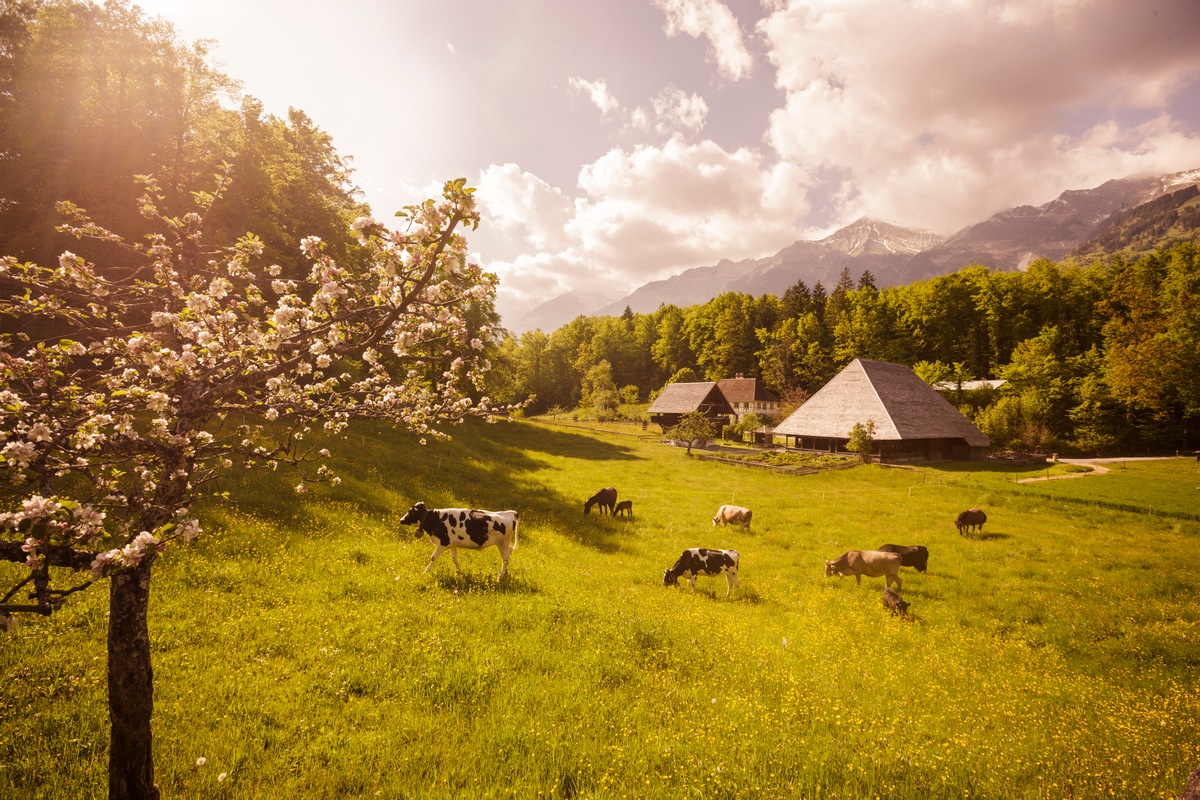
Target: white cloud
514, 200
676, 110
712, 20
598, 93
941, 113
644, 214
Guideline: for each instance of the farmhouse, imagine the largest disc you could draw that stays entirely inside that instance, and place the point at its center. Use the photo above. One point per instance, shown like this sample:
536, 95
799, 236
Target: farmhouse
748, 396
677, 399
912, 421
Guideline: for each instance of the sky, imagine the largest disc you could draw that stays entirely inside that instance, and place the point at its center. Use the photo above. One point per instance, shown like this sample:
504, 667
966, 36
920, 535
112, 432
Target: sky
615, 142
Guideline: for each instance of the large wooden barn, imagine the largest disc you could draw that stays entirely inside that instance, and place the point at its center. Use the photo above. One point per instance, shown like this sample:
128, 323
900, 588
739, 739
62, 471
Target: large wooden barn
677, 399
912, 421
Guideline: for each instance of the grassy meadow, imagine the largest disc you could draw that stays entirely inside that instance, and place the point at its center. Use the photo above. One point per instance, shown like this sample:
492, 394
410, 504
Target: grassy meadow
300, 651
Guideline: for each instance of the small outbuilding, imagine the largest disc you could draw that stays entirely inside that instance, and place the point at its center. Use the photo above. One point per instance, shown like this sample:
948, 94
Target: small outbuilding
748, 396
912, 421
677, 399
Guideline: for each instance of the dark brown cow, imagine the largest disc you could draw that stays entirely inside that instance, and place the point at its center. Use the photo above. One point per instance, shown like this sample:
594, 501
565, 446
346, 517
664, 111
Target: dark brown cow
894, 602
605, 498
916, 556
971, 518
624, 507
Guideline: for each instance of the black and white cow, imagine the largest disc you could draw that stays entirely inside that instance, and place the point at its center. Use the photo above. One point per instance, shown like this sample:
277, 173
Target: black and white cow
703, 561
469, 528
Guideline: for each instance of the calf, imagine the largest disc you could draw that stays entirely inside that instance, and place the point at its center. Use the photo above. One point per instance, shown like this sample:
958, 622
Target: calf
702, 561
452, 528
624, 507
971, 518
871, 563
733, 515
605, 498
915, 556
894, 602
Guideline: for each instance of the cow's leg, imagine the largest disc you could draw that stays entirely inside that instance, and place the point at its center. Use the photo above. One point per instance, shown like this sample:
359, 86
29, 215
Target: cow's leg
454, 555
436, 553
692, 581
896, 578
730, 582
858, 577
505, 552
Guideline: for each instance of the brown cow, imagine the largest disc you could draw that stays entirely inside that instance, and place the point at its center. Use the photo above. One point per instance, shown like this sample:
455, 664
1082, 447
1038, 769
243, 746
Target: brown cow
895, 603
871, 563
733, 515
915, 556
605, 498
971, 518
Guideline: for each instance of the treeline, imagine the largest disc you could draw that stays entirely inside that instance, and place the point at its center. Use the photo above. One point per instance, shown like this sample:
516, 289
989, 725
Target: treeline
1103, 358
92, 96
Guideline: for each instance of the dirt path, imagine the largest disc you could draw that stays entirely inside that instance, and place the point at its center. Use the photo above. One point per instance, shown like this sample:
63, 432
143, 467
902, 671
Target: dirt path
1097, 465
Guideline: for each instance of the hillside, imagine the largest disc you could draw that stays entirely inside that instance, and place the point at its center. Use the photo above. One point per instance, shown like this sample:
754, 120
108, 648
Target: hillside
1162, 222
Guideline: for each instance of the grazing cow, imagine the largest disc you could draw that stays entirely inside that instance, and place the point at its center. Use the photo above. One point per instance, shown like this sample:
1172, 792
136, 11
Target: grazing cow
915, 556
703, 561
605, 498
871, 563
733, 515
624, 507
971, 518
894, 602
452, 528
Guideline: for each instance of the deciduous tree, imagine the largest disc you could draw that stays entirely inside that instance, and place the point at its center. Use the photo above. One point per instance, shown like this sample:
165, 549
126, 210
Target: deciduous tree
109, 432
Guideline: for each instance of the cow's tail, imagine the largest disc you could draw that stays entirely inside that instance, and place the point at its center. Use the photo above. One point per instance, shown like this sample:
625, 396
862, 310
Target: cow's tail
516, 529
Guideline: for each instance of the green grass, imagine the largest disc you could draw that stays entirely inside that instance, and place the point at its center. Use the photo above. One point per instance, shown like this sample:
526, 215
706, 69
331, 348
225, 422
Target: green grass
300, 650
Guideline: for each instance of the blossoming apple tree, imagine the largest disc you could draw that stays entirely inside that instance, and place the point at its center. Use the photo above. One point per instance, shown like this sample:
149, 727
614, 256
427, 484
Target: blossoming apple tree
157, 380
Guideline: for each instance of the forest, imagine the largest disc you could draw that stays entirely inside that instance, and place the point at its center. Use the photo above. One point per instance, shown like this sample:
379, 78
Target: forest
1100, 358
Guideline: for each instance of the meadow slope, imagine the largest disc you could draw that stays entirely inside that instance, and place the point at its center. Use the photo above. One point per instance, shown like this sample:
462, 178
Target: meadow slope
300, 651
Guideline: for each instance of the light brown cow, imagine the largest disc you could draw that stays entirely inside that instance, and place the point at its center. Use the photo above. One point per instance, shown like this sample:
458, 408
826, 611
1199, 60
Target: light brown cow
733, 515
871, 563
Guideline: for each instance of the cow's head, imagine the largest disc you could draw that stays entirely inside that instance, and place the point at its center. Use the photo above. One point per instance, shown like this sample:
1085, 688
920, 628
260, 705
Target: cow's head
716, 520
415, 514
670, 578
830, 569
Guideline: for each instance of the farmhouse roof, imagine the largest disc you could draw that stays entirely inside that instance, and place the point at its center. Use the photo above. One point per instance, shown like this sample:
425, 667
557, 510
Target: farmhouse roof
745, 390
902, 406
680, 398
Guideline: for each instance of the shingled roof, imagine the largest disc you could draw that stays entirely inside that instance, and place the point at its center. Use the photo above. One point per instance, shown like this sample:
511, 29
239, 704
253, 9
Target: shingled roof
902, 406
745, 390
680, 398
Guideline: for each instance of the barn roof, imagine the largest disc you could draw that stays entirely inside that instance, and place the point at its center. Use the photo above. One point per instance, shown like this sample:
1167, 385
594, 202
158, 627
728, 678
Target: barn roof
902, 406
745, 390
680, 398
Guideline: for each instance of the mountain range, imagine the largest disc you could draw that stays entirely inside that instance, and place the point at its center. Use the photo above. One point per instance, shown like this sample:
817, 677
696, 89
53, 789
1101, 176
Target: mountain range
1078, 223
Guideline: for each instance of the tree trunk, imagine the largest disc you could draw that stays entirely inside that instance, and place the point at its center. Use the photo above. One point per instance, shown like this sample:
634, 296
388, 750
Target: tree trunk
130, 687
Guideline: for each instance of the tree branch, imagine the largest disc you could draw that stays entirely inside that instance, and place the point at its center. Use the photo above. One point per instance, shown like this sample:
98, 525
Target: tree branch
52, 555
